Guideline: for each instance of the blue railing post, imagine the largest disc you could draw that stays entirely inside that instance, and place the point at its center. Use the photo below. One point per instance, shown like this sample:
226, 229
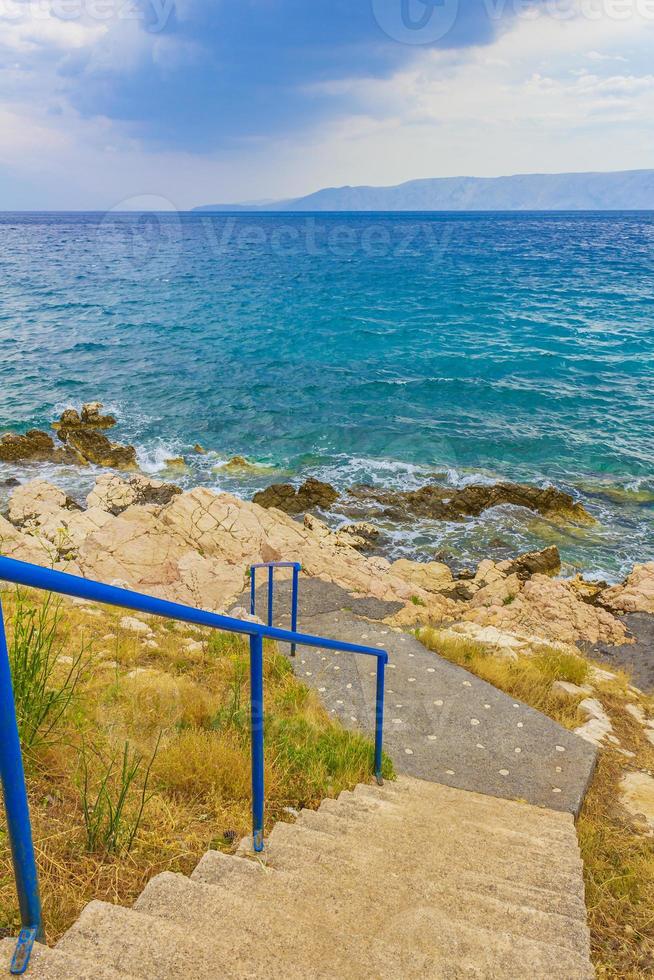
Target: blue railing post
11, 769
18, 816
256, 724
253, 590
294, 598
271, 591
379, 716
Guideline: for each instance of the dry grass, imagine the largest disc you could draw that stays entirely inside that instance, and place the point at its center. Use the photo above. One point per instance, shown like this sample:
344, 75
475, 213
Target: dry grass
618, 852
529, 678
183, 698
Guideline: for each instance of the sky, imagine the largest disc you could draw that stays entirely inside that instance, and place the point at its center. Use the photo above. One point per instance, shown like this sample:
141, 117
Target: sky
113, 103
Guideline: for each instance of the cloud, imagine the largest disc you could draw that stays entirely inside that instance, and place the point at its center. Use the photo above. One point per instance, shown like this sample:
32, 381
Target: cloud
201, 74
265, 98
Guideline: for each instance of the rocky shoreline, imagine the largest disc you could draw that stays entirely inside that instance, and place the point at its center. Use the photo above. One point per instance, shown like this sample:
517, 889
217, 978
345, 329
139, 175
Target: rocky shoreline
196, 545
82, 439
431, 501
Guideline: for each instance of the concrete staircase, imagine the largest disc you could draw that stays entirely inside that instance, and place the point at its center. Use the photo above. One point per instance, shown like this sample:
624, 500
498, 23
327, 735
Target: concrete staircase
412, 879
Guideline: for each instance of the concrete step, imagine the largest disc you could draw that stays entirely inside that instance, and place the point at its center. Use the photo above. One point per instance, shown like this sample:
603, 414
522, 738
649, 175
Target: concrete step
551, 899
564, 896
290, 844
180, 901
360, 820
355, 906
409, 880
157, 949
216, 868
553, 824
53, 964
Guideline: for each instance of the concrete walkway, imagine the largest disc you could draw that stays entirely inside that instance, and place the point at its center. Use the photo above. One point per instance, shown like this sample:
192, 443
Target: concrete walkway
442, 723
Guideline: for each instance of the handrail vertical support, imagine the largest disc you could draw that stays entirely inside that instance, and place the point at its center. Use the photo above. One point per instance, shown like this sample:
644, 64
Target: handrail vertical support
379, 718
253, 591
256, 711
294, 598
271, 590
18, 816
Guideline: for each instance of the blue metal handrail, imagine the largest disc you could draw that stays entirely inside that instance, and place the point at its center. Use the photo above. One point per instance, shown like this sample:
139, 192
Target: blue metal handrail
11, 763
271, 566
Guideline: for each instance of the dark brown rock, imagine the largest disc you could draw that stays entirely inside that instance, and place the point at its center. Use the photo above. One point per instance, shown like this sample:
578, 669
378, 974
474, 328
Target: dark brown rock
459, 592
590, 592
89, 419
451, 504
361, 536
34, 446
153, 492
91, 416
96, 448
311, 495
545, 562
70, 419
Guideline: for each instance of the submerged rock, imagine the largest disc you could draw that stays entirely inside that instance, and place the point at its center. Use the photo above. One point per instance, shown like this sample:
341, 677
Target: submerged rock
34, 446
176, 463
96, 448
284, 496
83, 442
239, 464
90, 417
452, 504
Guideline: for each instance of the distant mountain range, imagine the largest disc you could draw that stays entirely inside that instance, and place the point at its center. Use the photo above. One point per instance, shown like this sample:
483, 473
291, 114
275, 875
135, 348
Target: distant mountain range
628, 190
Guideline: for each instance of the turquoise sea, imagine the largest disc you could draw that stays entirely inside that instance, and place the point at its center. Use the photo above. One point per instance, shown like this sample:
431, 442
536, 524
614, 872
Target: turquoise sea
368, 347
